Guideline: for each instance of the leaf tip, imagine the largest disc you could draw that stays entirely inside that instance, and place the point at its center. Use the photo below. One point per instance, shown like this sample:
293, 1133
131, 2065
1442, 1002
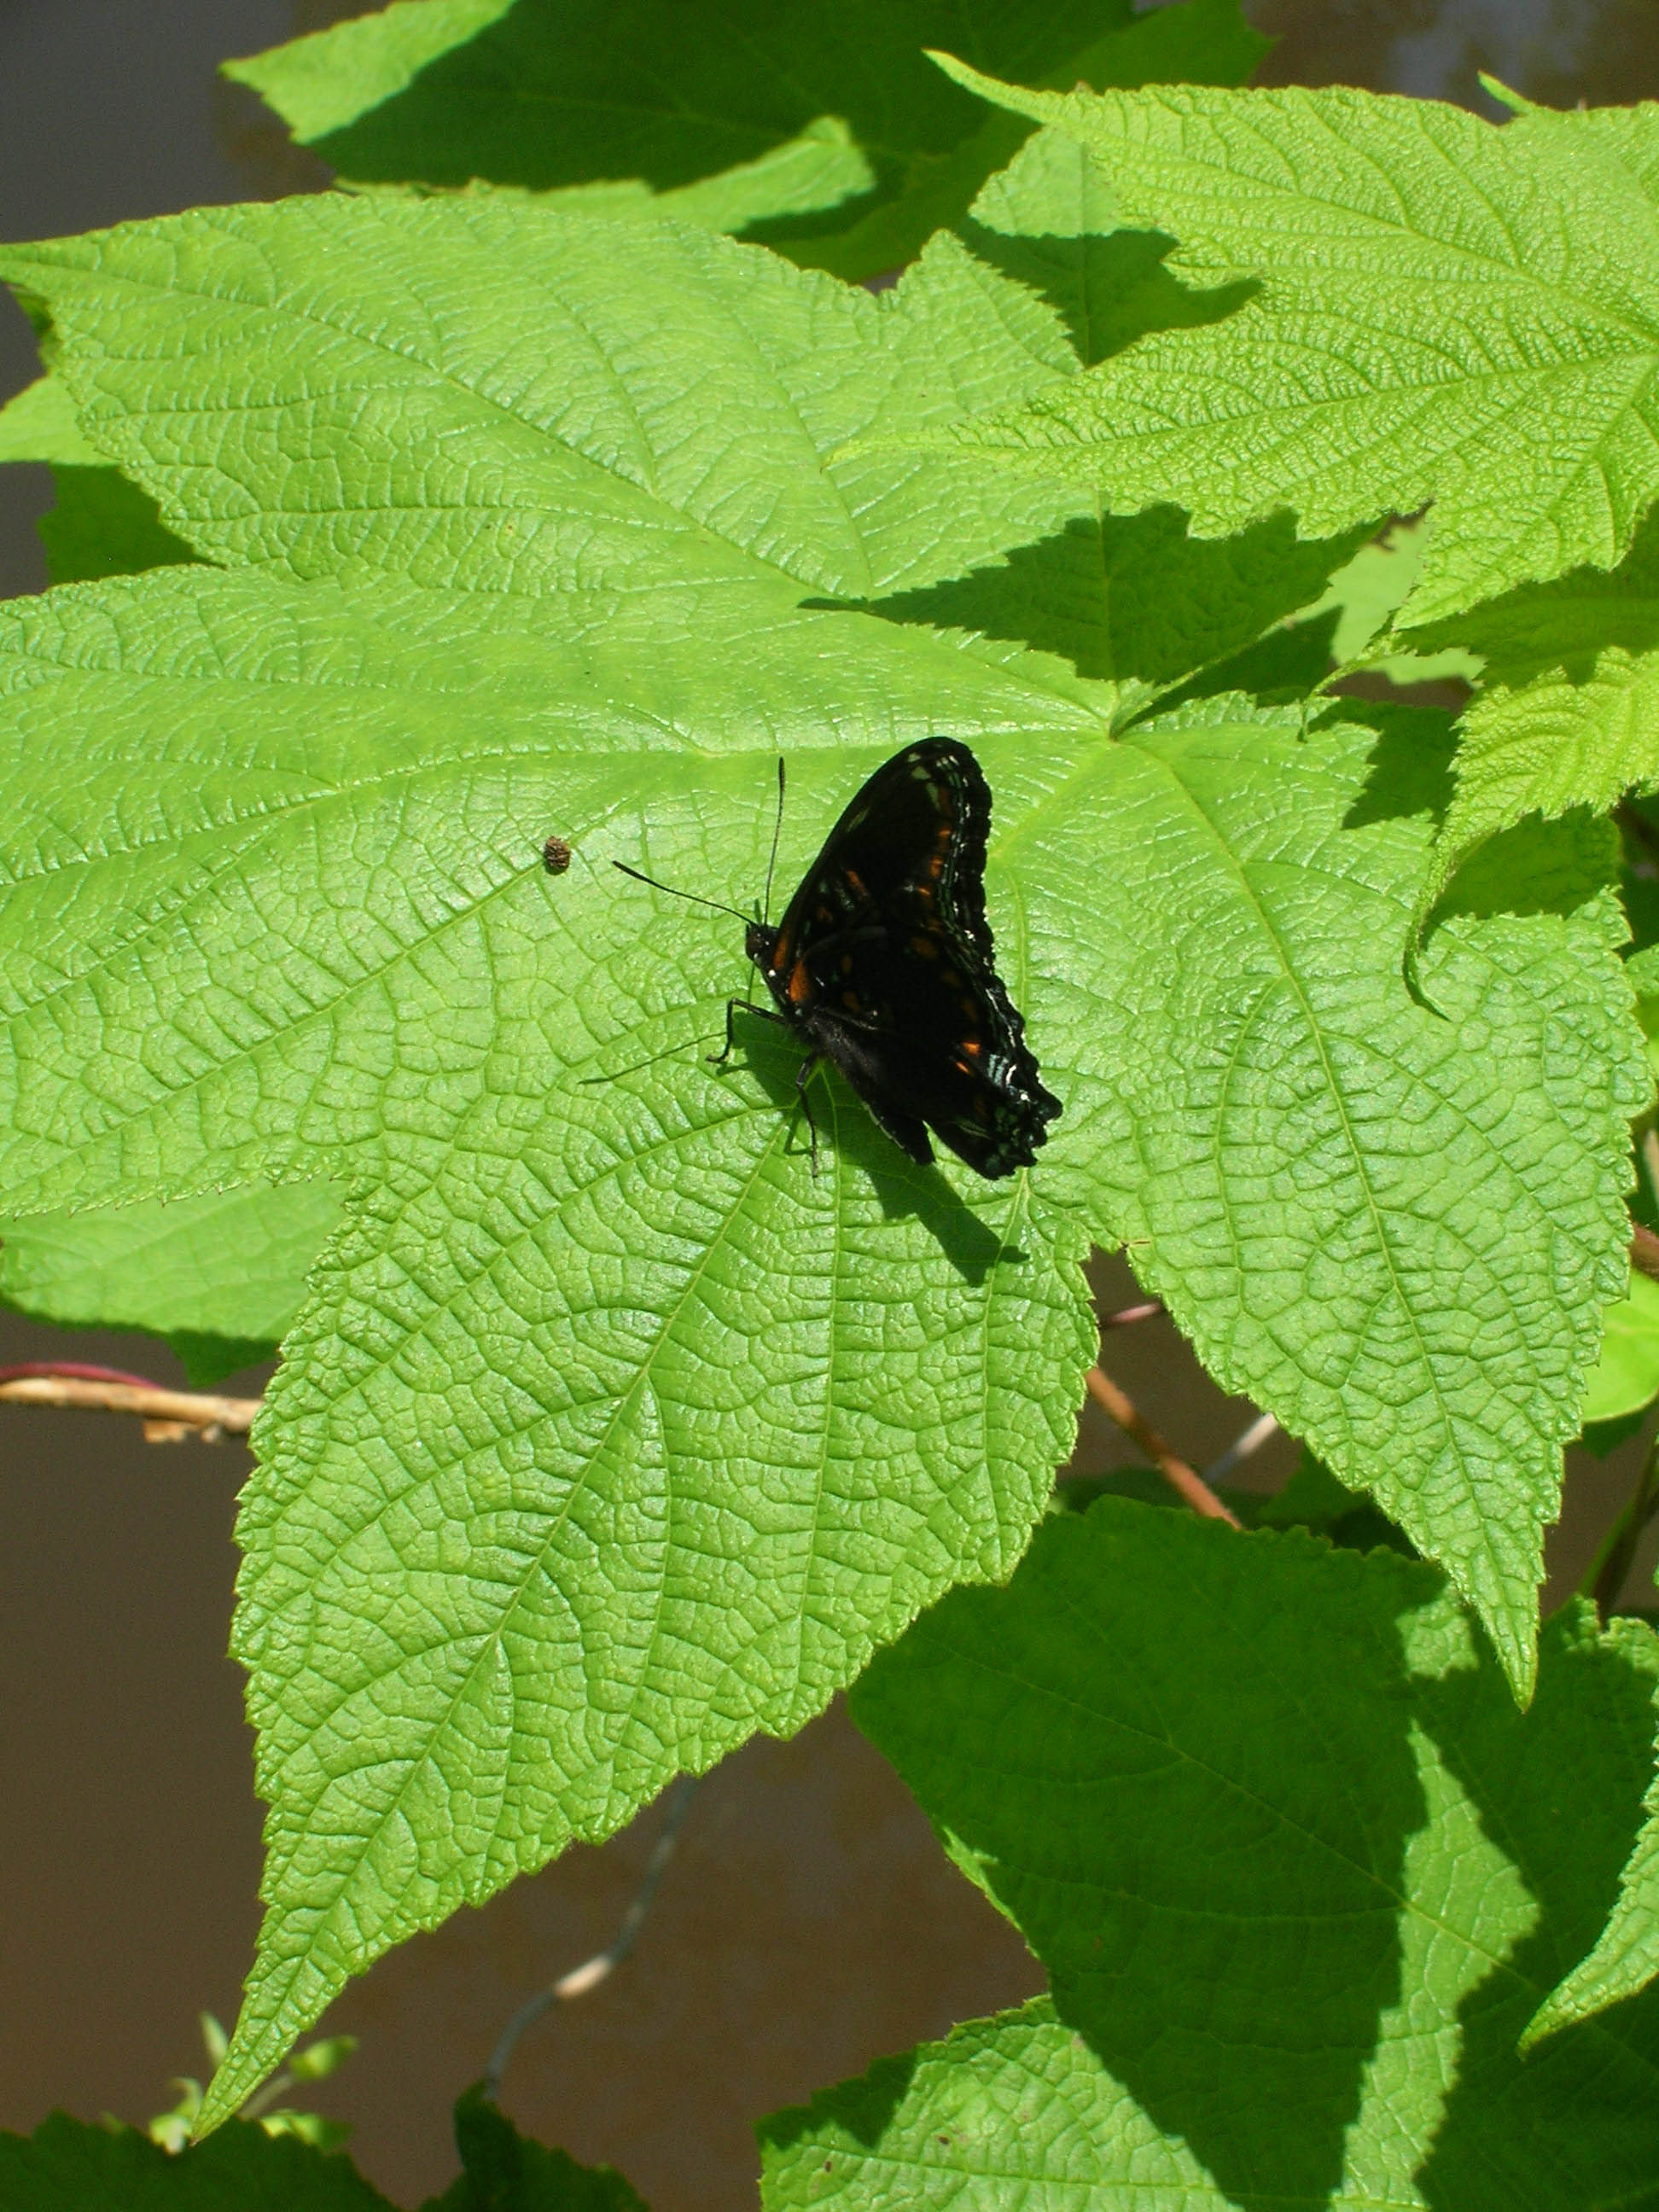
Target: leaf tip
992, 89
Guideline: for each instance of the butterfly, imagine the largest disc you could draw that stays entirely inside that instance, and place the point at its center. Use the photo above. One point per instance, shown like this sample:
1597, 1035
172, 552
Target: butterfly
884, 964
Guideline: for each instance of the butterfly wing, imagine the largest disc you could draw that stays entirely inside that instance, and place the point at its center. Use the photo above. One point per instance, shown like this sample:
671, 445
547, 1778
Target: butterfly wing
886, 960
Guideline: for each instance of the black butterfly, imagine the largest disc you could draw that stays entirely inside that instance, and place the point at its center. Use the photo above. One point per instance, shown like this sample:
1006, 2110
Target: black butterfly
884, 964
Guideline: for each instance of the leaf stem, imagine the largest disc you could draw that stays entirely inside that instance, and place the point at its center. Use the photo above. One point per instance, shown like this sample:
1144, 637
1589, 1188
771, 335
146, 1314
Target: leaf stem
1176, 1472
1605, 1576
591, 1971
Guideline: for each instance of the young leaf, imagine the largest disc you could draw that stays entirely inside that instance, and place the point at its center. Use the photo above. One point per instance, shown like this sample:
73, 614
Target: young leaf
729, 112
1299, 1872
1568, 701
1447, 311
1627, 1376
229, 1265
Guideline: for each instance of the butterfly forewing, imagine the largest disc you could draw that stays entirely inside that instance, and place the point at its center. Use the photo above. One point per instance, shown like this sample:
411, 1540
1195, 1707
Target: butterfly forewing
884, 962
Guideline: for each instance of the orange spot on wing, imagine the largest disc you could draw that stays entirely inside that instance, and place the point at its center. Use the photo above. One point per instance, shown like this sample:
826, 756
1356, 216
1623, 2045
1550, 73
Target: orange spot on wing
800, 985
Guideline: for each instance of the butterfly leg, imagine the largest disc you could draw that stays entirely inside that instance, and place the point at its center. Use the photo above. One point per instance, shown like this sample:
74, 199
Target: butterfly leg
803, 1077
748, 1006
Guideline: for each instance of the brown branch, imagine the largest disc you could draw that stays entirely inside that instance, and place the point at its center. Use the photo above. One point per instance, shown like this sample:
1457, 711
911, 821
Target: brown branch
1125, 1314
1644, 1251
591, 1971
167, 1415
1249, 1440
1176, 1472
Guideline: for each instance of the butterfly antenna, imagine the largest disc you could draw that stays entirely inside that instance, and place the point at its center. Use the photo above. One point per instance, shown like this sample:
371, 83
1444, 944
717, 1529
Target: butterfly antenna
668, 1052
777, 831
717, 906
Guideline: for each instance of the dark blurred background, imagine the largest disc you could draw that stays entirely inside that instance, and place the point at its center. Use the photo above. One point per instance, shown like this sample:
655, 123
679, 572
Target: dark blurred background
809, 1923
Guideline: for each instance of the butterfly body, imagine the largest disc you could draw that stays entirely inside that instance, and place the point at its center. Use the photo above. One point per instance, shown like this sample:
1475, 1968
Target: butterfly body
884, 964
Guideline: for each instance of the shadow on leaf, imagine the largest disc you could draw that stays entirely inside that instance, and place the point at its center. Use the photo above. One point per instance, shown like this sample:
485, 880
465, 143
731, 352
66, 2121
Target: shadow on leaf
1268, 1814
1207, 1847
863, 2109
1134, 597
1108, 289
845, 1133
1558, 1790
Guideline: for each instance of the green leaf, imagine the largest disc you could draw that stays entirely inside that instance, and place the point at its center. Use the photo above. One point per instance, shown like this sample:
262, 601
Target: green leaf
1626, 1959
1366, 594
1132, 600
68, 2165
40, 424
1627, 1376
505, 2171
356, 790
509, 398
102, 525
1330, 1271
221, 1274
1569, 696
731, 113
1447, 311
1002, 2110
1298, 1869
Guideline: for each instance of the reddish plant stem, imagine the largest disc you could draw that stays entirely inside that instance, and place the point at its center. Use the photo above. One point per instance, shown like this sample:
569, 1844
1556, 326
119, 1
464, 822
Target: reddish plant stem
1125, 1314
1180, 1478
78, 1370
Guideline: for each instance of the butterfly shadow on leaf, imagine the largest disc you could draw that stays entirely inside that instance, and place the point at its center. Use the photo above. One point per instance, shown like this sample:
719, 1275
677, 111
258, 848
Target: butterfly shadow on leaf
849, 1140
